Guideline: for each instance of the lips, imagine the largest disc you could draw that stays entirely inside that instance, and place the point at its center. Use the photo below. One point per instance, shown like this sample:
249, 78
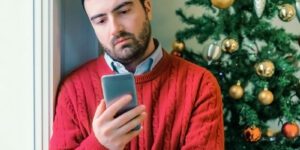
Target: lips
120, 40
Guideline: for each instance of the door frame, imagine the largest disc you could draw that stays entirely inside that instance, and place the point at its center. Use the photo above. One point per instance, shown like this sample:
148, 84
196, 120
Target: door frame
46, 51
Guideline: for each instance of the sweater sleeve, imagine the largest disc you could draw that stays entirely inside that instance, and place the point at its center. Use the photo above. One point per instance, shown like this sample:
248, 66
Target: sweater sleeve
206, 131
66, 130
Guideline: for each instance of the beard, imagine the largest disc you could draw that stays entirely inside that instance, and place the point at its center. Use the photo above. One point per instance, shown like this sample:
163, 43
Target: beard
133, 50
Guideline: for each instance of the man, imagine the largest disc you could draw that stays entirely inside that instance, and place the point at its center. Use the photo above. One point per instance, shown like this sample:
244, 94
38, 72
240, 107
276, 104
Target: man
180, 103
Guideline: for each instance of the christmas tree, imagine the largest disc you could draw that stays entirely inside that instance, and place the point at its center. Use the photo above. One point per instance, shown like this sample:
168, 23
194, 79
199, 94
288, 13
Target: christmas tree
255, 63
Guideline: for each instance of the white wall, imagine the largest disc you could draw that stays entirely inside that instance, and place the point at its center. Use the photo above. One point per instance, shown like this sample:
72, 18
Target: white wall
166, 23
16, 75
29, 72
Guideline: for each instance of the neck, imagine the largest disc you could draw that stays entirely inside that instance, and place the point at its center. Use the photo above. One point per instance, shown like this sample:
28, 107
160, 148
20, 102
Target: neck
150, 49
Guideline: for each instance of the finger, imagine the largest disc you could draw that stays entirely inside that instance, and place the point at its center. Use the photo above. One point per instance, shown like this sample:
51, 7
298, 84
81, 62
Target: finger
128, 137
126, 117
131, 124
116, 106
100, 109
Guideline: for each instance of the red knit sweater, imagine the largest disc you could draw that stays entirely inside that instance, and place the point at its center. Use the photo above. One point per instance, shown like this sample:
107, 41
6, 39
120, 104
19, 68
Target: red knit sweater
183, 105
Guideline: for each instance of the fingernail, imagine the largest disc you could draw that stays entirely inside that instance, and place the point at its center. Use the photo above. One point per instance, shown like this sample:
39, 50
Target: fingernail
128, 96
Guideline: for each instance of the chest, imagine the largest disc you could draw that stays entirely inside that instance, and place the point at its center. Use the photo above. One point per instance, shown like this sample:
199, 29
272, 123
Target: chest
168, 112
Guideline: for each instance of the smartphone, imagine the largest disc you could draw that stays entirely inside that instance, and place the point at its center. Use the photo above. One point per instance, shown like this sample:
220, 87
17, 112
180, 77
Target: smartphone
117, 85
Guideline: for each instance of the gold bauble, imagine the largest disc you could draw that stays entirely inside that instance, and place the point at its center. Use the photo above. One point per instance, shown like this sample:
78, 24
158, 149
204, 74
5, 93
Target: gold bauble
178, 46
265, 68
287, 12
236, 91
265, 97
270, 133
230, 45
222, 4
252, 134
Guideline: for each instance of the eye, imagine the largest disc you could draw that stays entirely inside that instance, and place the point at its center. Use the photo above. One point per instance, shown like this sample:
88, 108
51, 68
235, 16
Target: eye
100, 20
124, 11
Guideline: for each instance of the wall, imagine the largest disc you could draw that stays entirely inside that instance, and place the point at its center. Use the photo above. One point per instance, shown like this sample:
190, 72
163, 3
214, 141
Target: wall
165, 23
16, 75
79, 43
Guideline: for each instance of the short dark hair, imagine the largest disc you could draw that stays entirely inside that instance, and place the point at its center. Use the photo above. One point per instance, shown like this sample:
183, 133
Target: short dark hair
82, 2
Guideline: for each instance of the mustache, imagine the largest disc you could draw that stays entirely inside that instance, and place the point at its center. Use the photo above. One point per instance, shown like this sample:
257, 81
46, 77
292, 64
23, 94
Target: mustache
121, 35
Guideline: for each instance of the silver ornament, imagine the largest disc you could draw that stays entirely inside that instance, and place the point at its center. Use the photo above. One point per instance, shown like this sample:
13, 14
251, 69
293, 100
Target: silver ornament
259, 6
212, 52
298, 9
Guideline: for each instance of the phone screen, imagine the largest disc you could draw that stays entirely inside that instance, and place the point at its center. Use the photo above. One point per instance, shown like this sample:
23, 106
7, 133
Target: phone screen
117, 85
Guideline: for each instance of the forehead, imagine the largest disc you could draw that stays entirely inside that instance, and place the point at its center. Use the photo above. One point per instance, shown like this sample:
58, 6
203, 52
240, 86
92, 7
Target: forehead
103, 5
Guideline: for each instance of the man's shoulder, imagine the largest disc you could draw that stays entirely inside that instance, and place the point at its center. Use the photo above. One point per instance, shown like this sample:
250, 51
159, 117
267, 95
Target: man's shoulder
188, 69
187, 65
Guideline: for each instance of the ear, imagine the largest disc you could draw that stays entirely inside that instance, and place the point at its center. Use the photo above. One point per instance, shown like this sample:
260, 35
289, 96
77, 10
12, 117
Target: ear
148, 8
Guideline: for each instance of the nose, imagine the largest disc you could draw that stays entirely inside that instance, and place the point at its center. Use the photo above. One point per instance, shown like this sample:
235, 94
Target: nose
116, 26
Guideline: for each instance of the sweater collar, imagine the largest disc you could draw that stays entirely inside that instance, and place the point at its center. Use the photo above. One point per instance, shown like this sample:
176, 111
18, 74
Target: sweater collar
162, 65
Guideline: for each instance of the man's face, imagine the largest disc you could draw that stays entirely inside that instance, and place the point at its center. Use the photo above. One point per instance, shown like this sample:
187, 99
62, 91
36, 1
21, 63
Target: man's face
122, 27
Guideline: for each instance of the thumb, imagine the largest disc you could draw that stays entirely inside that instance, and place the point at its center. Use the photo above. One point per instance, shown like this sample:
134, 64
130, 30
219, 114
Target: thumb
100, 109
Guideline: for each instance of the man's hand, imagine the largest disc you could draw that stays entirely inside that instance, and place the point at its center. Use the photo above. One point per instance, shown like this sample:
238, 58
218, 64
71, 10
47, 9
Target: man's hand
115, 133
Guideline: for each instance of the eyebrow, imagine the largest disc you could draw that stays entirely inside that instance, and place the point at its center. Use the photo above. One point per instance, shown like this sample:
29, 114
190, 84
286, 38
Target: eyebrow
115, 9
